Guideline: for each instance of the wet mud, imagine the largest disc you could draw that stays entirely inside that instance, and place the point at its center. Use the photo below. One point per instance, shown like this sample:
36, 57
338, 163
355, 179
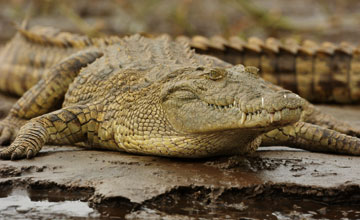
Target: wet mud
274, 183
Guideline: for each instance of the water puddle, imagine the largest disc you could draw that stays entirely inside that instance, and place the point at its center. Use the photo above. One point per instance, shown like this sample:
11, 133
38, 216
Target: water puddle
262, 207
19, 205
279, 208
187, 203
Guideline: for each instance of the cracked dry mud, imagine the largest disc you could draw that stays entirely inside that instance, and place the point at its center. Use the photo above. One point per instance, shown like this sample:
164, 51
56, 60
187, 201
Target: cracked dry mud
138, 187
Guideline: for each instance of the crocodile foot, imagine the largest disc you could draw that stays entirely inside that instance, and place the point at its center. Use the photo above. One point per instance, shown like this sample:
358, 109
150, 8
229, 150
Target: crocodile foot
14, 151
17, 151
31, 137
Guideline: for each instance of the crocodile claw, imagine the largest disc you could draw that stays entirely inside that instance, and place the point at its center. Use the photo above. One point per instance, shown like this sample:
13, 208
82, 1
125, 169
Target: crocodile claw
17, 151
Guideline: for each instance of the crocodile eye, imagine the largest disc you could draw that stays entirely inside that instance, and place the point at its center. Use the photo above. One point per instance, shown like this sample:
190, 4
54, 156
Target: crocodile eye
200, 68
253, 70
216, 74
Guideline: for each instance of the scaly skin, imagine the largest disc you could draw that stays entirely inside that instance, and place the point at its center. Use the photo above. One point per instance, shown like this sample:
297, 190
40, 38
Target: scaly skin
23, 62
157, 97
26, 58
325, 73
318, 73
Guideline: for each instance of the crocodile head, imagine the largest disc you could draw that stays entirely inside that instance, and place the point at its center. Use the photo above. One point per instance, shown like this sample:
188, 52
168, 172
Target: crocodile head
203, 111
218, 99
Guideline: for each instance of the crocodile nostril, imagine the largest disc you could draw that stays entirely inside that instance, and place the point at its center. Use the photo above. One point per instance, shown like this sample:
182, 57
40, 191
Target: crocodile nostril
290, 95
285, 92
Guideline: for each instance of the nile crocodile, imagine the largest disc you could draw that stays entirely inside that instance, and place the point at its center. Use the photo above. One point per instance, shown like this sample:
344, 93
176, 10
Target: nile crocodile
158, 97
331, 72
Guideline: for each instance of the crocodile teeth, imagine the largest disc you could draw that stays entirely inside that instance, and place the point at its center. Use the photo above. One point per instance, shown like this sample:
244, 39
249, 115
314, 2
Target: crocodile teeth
262, 102
278, 115
243, 118
272, 115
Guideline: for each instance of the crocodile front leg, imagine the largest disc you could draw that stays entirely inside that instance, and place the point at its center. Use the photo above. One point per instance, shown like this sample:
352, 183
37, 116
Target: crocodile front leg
313, 138
65, 126
314, 115
45, 95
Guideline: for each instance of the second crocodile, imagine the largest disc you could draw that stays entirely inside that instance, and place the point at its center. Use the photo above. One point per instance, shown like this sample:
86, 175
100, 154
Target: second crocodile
326, 73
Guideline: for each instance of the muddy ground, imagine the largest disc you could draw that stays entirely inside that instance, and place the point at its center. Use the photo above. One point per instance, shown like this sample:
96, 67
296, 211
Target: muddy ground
120, 184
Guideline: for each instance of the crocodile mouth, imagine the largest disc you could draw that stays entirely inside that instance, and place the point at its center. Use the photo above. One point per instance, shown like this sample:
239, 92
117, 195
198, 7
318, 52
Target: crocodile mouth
259, 114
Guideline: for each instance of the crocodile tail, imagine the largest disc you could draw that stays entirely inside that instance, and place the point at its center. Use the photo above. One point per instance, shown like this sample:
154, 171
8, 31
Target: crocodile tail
332, 72
53, 37
24, 59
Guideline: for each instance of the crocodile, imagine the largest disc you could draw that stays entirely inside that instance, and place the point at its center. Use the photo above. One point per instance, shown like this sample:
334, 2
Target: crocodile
329, 71
158, 97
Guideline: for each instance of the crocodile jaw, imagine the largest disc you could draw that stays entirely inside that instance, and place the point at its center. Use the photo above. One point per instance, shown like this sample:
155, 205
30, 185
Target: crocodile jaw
213, 114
